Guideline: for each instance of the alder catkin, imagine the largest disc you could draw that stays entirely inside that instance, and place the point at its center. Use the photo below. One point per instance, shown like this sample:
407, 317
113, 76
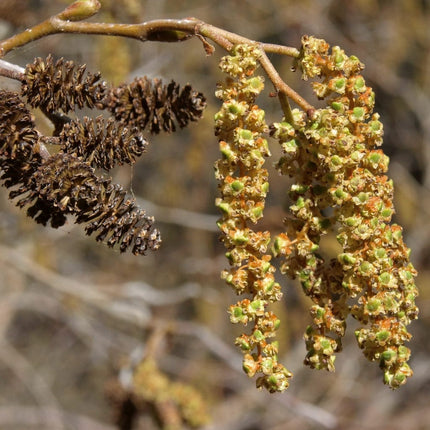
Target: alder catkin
334, 159
243, 184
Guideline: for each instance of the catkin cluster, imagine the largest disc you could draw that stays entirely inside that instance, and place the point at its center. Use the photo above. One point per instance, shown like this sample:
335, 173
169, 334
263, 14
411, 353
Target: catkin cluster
243, 184
173, 405
152, 386
333, 157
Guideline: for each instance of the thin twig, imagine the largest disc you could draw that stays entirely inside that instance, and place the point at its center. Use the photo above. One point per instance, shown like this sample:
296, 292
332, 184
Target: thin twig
36, 385
12, 71
182, 217
21, 416
281, 86
286, 107
105, 298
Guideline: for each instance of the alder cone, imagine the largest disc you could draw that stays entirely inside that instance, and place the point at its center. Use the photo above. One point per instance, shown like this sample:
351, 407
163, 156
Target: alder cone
61, 85
20, 159
69, 184
146, 102
17, 128
103, 143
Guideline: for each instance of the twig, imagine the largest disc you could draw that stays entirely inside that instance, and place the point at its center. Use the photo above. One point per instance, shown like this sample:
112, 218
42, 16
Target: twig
29, 417
281, 86
91, 295
12, 71
162, 30
59, 283
154, 297
48, 305
284, 406
53, 417
113, 299
182, 217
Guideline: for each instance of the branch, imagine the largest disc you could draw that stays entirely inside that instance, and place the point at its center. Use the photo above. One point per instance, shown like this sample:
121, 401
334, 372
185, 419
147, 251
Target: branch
102, 300
161, 30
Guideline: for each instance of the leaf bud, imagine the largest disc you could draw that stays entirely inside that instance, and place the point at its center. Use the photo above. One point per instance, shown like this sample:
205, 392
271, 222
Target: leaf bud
338, 85
223, 206
80, 10
227, 151
256, 307
258, 336
358, 114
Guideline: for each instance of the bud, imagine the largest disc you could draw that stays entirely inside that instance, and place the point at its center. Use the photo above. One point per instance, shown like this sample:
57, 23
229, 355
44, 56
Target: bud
79, 10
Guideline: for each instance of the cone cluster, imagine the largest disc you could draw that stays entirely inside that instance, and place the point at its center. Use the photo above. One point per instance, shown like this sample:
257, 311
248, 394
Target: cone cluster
53, 187
72, 186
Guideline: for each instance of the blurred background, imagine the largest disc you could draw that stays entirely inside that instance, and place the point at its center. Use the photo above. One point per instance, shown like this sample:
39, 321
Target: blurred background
76, 318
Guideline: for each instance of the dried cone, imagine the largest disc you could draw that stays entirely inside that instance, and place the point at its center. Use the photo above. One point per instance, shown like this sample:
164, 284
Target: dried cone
18, 136
146, 102
102, 143
71, 186
61, 85
17, 132
19, 156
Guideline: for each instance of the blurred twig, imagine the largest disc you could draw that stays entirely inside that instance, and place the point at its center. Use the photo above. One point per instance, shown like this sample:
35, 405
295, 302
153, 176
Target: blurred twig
182, 217
50, 411
30, 416
91, 295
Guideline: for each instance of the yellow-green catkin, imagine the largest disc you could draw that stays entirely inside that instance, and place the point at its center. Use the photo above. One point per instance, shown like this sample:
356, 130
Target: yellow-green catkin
332, 154
243, 184
154, 388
